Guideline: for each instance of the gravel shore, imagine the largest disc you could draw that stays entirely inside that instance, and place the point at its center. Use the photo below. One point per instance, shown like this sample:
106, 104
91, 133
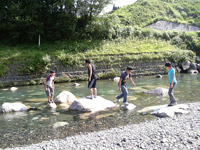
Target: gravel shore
181, 132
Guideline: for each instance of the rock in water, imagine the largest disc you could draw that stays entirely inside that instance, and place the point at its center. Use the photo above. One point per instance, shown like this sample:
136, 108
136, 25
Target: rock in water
76, 84
116, 79
59, 124
186, 65
158, 91
13, 89
65, 97
193, 71
129, 107
13, 107
158, 76
171, 111
92, 105
51, 105
193, 66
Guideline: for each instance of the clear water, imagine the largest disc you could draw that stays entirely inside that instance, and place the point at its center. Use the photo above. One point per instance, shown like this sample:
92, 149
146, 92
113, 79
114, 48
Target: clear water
25, 128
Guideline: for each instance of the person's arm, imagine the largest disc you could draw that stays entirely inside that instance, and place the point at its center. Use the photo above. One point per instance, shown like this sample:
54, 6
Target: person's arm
130, 78
45, 85
90, 68
120, 84
172, 81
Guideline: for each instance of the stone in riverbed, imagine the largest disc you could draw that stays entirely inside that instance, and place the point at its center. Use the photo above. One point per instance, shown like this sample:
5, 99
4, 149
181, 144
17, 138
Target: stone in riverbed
76, 84
92, 105
13, 89
13, 107
116, 79
193, 71
129, 107
171, 111
158, 91
186, 65
65, 97
158, 76
51, 105
59, 124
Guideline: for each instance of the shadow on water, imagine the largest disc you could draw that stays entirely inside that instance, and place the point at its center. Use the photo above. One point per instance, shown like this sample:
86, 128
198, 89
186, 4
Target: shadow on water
25, 128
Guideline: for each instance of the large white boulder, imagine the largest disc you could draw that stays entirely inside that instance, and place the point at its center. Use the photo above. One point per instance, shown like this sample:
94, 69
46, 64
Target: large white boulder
65, 97
158, 91
13, 107
171, 111
92, 105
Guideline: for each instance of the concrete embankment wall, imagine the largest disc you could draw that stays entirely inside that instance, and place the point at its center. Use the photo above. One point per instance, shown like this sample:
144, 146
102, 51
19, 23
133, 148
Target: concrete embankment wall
105, 69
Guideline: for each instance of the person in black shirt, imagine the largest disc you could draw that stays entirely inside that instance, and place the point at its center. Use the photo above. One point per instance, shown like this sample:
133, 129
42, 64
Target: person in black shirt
92, 77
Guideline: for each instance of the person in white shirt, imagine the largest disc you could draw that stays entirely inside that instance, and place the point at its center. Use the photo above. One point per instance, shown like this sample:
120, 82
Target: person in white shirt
49, 86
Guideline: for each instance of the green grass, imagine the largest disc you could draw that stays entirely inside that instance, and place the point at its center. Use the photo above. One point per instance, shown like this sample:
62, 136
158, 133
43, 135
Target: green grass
35, 60
145, 12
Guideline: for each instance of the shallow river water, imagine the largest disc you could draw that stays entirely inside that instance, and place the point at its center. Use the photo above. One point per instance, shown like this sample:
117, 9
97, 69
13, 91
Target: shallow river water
25, 128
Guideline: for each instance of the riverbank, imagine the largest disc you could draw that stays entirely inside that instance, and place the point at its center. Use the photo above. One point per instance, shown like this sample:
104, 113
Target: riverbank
181, 132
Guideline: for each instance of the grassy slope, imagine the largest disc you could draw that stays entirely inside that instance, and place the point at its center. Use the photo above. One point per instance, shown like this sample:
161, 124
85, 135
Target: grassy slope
145, 12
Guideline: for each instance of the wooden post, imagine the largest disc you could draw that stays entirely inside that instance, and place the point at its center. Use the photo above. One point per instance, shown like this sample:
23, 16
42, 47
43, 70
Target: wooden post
39, 40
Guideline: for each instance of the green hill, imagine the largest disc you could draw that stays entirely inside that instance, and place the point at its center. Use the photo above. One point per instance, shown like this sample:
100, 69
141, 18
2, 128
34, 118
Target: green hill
145, 12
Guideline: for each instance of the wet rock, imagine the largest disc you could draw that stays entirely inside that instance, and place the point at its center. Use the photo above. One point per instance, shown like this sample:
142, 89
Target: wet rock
186, 65
92, 105
129, 107
158, 76
13, 89
76, 84
116, 79
193, 66
193, 71
158, 91
198, 59
13, 107
65, 97
171, 111
198, 67
51, 105
60, 124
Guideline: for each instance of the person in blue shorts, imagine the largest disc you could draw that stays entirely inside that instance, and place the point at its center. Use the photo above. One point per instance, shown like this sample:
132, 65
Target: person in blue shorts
122, 84
172, 83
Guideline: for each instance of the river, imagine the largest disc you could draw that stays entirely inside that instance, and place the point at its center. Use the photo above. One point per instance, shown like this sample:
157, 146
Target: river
25, 128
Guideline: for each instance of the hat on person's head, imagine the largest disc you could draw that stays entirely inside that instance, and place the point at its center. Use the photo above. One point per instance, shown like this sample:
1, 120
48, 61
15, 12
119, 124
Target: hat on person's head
52, 71
129, 68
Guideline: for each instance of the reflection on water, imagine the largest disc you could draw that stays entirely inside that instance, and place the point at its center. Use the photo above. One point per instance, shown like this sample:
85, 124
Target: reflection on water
35, 126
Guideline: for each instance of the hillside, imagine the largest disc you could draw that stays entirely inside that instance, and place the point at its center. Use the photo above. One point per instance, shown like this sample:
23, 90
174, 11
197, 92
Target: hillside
146, 12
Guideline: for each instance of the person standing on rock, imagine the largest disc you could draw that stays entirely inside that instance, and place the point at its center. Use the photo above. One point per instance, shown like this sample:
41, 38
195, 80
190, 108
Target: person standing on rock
92, 77
49, 86
122, 84
172, 83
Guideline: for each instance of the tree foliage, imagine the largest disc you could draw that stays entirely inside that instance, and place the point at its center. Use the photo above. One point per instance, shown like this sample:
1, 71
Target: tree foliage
24, 20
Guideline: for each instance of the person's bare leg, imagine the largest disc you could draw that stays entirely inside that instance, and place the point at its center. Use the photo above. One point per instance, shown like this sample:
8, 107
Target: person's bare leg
48, 99
95, 92
52, 97
91, 93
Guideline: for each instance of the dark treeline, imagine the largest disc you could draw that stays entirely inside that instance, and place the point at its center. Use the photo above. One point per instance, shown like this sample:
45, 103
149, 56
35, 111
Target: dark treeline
24, 20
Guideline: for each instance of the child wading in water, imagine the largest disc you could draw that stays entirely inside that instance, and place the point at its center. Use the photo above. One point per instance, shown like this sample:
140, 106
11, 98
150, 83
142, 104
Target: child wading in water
122, 84
49, 86
172, 83
91, 79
